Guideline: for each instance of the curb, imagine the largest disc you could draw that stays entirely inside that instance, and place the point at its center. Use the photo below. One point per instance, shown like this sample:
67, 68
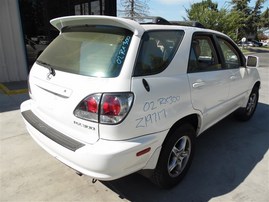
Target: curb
6, 91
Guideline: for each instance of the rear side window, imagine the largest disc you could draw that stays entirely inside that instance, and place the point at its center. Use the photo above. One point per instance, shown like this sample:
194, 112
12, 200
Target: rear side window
97, 51
157, 51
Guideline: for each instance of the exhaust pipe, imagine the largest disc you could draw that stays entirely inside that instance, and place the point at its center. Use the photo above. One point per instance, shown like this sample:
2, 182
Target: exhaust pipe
79, 173
94, 180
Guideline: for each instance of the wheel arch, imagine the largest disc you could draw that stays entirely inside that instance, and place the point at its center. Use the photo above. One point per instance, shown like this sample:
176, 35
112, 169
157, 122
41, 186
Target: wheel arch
257, 84
193, 119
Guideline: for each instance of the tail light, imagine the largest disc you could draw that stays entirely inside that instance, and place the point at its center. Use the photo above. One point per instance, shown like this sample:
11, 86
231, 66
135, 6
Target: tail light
88, 108
107, 108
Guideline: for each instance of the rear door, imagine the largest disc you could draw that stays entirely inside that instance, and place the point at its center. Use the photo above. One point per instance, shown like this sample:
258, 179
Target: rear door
209, 82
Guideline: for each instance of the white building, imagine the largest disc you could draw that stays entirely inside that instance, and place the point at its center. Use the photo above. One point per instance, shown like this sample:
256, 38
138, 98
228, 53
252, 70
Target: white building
13, 64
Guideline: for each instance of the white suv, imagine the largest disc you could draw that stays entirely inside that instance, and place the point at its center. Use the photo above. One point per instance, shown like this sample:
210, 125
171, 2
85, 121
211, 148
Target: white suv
110, 96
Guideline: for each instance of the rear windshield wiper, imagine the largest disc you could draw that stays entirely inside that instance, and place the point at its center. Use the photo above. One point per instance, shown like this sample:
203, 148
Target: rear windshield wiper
50, 67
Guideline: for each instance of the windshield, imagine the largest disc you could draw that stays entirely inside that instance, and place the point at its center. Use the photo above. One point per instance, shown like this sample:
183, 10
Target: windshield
97, 51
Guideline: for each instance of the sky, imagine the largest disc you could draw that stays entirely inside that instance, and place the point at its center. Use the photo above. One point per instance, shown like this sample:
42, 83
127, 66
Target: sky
175, 9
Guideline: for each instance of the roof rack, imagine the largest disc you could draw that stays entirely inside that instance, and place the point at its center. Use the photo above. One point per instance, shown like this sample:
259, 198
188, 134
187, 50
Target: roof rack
188, 23
161, 21
150, 20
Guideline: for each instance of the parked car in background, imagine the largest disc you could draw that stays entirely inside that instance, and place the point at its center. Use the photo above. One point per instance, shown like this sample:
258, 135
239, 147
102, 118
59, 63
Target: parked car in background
252, 43
264, 43
110, 97
246, 44
256, 43
33, 50
43, 40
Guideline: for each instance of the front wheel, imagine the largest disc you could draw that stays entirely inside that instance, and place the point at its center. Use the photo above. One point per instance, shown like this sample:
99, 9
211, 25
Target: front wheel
175, 157
245, 113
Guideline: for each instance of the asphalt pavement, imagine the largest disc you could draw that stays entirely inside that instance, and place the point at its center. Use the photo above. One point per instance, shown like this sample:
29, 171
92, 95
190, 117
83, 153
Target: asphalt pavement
231, 164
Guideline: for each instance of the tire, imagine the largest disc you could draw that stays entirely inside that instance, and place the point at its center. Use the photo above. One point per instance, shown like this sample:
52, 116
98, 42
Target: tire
245, 113
175, 157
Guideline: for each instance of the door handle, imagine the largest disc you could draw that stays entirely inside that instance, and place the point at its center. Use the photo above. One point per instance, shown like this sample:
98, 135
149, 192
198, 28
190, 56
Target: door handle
198, 84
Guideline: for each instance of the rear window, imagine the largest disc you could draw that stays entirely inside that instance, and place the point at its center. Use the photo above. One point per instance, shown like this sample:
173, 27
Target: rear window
96, 51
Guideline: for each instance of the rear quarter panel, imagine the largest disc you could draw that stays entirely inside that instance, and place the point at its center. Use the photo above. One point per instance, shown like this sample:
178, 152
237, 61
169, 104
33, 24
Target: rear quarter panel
157, 110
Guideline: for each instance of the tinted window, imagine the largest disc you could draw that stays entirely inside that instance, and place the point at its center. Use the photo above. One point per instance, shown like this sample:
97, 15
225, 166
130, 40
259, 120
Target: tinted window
203, 56
97, 51
231, 57
157, 51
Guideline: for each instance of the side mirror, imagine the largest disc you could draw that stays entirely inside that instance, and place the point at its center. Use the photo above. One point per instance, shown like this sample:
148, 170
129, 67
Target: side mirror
252, 61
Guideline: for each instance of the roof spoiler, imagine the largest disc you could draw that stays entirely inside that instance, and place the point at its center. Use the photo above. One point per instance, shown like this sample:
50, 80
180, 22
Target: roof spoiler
60, 23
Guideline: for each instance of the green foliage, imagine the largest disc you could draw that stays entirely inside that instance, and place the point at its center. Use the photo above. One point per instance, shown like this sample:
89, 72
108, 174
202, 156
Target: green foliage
207, 13
265, 18
251, 17
229, 23
237, 22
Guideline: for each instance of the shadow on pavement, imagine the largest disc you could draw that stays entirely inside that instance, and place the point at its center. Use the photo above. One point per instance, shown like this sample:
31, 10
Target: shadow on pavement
11, 102
12, 94
259, 50
225, 155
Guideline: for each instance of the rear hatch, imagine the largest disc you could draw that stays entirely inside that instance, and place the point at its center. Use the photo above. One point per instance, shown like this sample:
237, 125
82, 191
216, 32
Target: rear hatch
85, 59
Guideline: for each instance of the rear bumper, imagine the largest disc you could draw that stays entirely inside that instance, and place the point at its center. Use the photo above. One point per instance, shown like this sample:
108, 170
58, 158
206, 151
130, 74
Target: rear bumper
103, 160
50, 132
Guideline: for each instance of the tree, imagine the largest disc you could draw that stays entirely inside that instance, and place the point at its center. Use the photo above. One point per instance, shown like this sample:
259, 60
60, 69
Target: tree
250, 17
207, 13
238, 22
229, 23
264, 21
134, 9
265, 18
